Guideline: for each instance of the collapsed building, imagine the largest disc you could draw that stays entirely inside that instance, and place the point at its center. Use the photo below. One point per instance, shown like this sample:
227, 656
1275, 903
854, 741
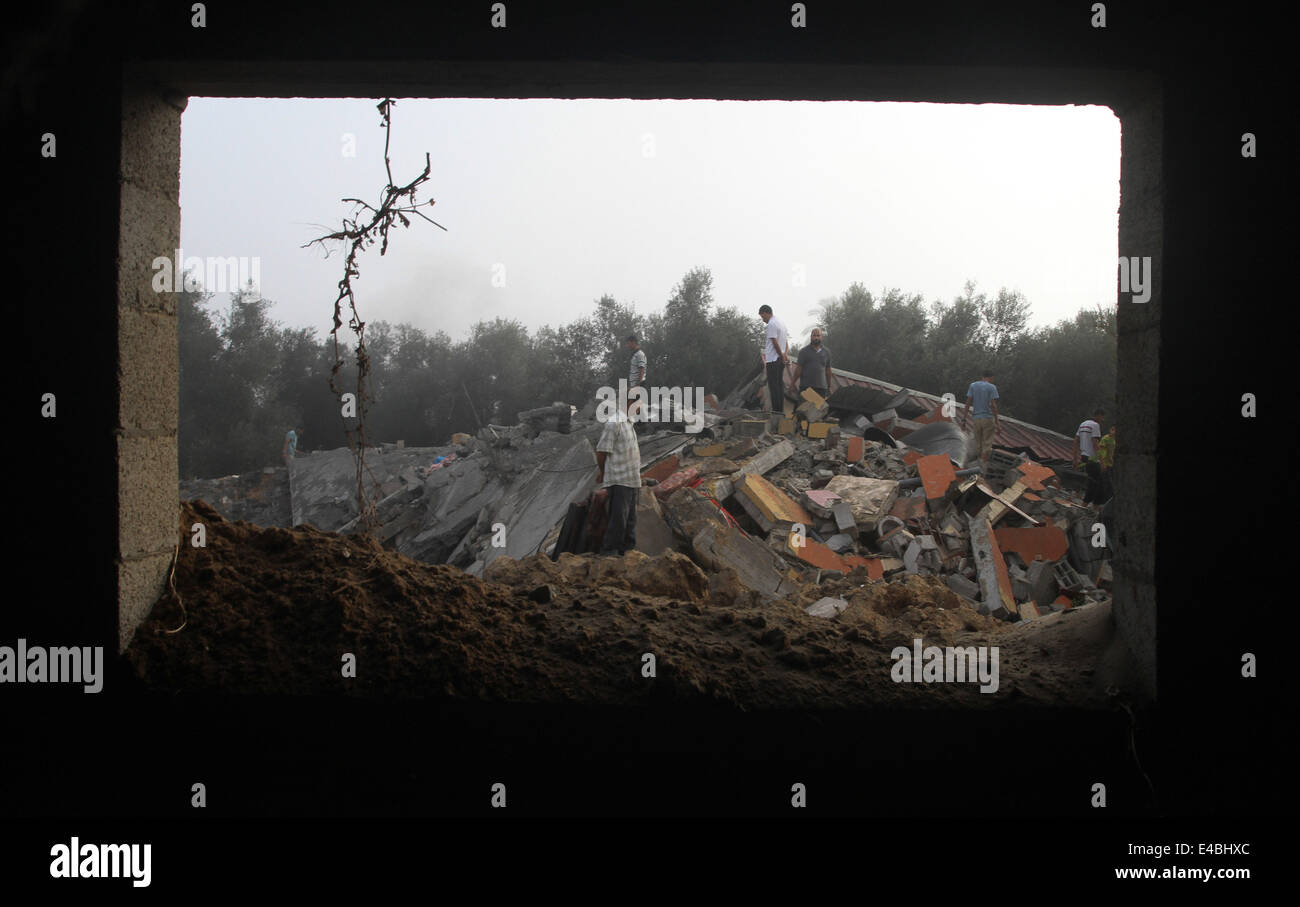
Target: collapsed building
870, 482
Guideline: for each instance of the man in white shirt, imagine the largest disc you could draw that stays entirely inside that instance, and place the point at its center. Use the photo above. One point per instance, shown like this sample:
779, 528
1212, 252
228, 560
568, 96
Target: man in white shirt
618, 469
1085, 448
776, 347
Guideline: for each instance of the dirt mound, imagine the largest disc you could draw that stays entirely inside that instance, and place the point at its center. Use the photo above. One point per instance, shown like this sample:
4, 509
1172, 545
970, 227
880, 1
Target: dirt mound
276, 610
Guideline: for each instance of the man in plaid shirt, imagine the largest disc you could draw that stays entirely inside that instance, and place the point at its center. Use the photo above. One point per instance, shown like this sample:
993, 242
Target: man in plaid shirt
618, 468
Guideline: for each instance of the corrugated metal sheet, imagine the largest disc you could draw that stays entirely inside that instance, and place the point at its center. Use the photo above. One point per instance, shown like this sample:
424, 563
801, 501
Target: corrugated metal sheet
1012, 434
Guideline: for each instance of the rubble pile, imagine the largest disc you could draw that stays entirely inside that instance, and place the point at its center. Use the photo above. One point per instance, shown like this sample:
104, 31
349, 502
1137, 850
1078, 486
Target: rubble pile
273, 611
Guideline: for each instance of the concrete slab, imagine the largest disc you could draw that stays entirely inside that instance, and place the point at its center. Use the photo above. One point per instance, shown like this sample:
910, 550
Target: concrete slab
994, 581
869, 499
718, 547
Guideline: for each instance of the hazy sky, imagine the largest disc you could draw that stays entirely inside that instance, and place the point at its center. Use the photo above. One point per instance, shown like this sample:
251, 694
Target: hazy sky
575, 199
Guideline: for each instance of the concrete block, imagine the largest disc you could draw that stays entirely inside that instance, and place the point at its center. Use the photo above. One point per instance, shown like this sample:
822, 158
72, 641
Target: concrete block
140, 582
1041, 579
827, 607
844, 520
148, 384
840, 542
1066, 577
752, 428
147, 508
962, 586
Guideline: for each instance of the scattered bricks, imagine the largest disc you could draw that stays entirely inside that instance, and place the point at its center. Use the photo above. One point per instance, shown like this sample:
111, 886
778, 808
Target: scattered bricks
751, 428
460, 438
826, 607
1063, 603
661, 470
1000, 462
818, 555
891, 565
821, 502
909, 509
741, 449
1066, 578
808, 412
1041, 579
994, 581
1030, 496
680, 479
962, 586
820, 429
897, 543
1035, 476
710, 450
786, 426
937, 478
811, 396
875, 565
1028, 610
770, 505
911, 457
1037, 542
855, 450
844, 521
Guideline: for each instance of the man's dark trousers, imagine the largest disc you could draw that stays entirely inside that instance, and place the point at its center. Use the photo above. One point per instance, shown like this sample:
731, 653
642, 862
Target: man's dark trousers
776, 385
620, 535
1095, 489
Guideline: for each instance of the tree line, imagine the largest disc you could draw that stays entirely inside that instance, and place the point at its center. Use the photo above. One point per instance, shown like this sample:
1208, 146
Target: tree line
245, 378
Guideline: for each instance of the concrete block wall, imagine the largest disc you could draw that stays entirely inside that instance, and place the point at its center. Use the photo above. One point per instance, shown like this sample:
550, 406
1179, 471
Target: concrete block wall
1141, 234
147, 360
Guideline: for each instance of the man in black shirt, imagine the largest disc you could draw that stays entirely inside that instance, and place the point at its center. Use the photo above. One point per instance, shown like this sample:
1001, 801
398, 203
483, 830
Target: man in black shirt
814, 366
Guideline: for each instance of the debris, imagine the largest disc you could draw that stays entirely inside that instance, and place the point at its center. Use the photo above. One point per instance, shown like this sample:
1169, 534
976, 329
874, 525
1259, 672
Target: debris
868, 499
827, 607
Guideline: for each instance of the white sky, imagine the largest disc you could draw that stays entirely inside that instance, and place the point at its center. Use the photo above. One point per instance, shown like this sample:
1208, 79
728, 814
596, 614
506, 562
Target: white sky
562, 194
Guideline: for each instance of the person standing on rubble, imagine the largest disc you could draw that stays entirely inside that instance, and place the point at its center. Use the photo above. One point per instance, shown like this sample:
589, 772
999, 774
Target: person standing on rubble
636, 373
984, 394
776, 348
618, 469
290, 445
1085, 449
1106, 460
813, 369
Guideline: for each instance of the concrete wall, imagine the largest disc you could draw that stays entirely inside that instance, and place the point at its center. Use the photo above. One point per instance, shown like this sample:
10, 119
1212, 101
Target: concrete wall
1141, 234
84, 73
147, 363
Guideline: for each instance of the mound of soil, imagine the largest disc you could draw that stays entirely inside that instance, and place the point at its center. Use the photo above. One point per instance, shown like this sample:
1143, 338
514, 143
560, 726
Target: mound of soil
276, 611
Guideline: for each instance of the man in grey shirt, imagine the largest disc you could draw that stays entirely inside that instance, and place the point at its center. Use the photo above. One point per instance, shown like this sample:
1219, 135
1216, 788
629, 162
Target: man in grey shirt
813, 369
